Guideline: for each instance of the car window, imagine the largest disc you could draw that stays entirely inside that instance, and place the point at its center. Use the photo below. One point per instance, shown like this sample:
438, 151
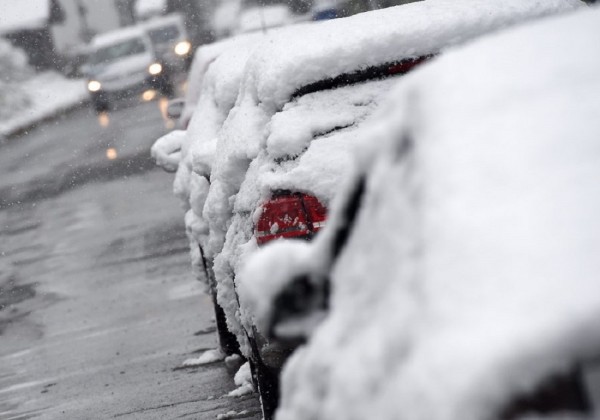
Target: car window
164, 34
122, 49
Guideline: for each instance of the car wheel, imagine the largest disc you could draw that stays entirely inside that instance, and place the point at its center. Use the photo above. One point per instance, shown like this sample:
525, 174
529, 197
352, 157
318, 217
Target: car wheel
267, 384
100, 106
168, 89
227, 341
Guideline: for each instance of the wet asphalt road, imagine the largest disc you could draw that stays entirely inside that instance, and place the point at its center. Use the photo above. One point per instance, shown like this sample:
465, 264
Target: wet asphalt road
98, 308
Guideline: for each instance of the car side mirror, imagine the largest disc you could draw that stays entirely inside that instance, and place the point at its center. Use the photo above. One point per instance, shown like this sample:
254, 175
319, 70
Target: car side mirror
175, 108
299, 308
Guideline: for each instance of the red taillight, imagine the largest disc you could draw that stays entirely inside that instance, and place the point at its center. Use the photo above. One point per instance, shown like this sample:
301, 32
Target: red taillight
405, 66
317, 213
290, 215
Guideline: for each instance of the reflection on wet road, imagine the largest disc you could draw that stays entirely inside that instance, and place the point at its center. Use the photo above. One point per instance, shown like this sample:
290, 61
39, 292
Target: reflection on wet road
97, 305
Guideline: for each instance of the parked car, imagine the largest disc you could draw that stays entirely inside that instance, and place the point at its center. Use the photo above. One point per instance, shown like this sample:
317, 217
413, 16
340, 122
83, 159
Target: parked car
285, 147
123, 63
212, 91
457, 277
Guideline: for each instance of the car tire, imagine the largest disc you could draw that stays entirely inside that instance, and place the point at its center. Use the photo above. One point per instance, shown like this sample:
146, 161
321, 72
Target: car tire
100, 106
227, 341
266, 383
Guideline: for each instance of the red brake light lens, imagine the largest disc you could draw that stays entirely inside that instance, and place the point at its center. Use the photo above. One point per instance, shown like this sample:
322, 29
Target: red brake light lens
405, 66
290, 215
317, 213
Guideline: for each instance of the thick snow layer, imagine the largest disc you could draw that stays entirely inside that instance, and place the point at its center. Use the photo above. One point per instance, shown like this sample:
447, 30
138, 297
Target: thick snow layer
310, 143
339, 46
203, 57
49, 94
166, 151
212, 88
471, 272
23, 14
305, 54
214, 82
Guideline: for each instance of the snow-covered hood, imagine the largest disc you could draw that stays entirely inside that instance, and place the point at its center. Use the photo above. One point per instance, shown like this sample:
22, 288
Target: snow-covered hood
123, 67
335, 47
471, 274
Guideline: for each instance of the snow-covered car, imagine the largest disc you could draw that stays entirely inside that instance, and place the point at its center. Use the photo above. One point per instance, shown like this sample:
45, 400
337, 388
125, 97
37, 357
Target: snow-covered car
122, 63
286, 146
458, 274
212, 91
170, 41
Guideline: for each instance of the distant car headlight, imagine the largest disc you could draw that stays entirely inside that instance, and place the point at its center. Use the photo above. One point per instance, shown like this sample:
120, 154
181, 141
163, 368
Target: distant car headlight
155, 68
183, 48
94, 86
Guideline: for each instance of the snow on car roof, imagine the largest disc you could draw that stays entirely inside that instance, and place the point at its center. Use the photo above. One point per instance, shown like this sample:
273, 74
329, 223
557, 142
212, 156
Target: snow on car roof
203, 58
118, 35
331, 48
217, 96
23, 14
472, 272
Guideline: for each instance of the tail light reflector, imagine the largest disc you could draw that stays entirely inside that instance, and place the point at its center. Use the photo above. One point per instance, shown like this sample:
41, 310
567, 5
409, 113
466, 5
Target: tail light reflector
290, 215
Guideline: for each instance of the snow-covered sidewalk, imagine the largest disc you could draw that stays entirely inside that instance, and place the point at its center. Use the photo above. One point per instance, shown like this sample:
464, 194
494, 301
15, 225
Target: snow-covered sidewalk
49, 94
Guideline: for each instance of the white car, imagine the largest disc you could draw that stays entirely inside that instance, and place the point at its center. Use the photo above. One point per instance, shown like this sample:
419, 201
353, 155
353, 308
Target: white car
123, 63
458, 275
286, 146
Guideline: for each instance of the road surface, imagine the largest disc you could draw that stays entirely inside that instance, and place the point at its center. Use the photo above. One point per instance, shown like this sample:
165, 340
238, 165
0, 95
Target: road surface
98, 308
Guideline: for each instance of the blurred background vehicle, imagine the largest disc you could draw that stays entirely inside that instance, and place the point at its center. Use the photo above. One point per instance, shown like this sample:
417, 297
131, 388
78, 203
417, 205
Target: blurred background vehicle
457, 276
123, 63
170, 41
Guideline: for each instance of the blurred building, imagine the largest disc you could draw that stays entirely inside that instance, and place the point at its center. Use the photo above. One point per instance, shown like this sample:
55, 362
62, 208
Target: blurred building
197, 15
27, 25
49, 30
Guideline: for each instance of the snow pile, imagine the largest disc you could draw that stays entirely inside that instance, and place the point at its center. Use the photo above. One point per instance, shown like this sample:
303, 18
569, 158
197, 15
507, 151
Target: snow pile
471, 272
305, 54
49, 93
243, 381
209, 356
166, 151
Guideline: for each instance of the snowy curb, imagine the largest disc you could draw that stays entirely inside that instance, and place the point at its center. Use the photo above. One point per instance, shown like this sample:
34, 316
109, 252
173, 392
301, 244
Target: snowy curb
51, 96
